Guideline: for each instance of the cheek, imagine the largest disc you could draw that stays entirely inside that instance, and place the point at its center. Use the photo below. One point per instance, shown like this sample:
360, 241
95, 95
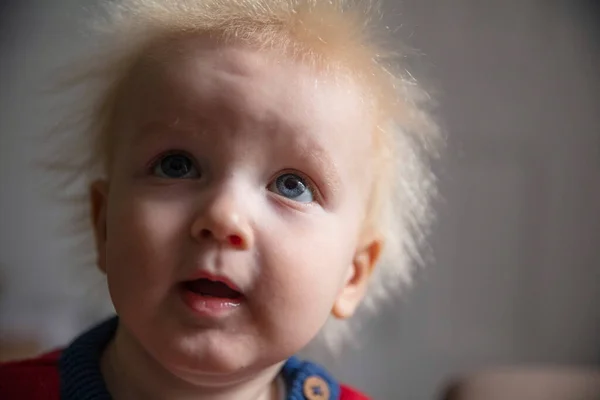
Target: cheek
144, 237
304, 266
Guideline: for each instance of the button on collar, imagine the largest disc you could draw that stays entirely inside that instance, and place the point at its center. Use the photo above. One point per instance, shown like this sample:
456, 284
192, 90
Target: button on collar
315, 388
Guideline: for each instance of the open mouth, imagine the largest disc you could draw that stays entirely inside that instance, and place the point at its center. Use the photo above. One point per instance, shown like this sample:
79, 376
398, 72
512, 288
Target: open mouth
209, 288
211, 296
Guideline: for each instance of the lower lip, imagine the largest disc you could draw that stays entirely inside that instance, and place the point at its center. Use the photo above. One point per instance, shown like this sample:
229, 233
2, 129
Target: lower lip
207, 306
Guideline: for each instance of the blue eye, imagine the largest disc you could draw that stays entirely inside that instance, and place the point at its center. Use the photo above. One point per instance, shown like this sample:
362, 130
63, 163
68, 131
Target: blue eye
293, 187
175, 166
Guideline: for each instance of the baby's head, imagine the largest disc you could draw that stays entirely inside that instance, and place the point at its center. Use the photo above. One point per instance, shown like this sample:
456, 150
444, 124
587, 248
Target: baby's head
258, 158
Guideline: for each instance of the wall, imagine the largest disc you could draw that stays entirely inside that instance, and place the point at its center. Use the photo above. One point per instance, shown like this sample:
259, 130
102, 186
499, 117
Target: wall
515, 275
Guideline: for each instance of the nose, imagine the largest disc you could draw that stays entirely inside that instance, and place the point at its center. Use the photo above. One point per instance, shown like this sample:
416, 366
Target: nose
224, 220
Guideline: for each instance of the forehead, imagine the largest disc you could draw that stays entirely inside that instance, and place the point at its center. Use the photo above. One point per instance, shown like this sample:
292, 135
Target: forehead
197, 83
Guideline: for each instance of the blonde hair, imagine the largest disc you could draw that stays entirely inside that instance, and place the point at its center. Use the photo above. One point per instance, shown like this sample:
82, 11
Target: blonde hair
336, 35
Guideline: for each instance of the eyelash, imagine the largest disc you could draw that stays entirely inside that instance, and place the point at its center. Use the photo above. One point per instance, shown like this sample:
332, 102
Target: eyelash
318, 197
158, 158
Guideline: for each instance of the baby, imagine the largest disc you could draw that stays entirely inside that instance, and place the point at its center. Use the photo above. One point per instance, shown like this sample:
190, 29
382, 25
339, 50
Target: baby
258, 170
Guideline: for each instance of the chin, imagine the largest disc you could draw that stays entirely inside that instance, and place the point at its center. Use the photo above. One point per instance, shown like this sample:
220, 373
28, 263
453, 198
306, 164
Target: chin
221, 364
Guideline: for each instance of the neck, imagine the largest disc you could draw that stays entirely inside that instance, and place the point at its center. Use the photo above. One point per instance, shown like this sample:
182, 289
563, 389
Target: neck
131, 373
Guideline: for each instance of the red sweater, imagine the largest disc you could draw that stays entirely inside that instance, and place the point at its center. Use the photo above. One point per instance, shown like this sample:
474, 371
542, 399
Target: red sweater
39, 379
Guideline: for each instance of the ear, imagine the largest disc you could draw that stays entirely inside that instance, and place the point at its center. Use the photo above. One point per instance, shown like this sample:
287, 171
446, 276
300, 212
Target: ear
99, 201
357, 280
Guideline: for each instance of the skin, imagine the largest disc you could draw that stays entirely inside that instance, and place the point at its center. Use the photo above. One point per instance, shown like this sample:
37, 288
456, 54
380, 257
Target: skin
243, 118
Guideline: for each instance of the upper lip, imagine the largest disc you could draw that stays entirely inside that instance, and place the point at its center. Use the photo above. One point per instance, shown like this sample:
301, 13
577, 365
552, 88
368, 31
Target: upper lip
215, 278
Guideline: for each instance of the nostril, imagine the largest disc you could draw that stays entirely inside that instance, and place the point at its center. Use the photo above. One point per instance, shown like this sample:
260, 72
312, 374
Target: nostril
235, 240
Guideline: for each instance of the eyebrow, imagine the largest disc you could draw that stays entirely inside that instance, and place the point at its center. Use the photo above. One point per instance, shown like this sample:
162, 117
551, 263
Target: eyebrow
329, 174
159, 128
317, 157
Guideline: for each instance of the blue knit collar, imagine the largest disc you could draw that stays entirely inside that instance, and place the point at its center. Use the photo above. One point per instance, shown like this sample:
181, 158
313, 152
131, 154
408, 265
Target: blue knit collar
81, 378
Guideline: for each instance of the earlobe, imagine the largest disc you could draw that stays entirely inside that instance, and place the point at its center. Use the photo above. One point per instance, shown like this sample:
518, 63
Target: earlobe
356, 284
99, 200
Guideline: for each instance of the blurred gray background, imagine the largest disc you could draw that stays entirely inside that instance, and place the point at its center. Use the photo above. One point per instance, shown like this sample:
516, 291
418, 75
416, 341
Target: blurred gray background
516, 278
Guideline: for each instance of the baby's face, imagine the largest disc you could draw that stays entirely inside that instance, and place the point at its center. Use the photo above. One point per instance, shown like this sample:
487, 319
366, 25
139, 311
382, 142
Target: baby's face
240, 167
